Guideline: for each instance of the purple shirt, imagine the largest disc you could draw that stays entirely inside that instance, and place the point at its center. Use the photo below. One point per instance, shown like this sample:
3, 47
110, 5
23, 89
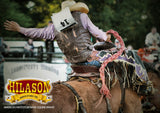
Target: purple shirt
49, 32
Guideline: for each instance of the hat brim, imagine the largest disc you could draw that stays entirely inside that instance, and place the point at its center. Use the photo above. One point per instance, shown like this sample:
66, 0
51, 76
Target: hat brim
82, 7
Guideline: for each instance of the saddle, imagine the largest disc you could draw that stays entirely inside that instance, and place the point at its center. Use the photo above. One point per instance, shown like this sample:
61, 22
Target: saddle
92, 69
102, 46
126, 68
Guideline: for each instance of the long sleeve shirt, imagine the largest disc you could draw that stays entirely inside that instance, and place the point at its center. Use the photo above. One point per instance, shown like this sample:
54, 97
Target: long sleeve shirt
49, 32
152, 37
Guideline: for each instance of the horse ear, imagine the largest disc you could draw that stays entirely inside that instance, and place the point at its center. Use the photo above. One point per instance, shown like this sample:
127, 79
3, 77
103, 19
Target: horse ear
103, 45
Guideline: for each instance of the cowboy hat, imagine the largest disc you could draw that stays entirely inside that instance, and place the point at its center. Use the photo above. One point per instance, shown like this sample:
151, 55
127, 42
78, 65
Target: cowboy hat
73, 6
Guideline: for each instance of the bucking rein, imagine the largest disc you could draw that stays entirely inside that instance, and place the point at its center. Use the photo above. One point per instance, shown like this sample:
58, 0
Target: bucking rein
104, 90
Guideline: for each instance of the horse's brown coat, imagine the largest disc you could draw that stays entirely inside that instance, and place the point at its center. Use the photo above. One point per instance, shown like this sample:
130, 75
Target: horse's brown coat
64, 100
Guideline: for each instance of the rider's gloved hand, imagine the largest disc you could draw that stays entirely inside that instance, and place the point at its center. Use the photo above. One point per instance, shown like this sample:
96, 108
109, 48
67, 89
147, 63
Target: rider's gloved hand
108, 37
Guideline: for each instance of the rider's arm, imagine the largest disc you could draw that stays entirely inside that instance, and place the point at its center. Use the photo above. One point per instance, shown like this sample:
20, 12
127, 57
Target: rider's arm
95, 31
45, 33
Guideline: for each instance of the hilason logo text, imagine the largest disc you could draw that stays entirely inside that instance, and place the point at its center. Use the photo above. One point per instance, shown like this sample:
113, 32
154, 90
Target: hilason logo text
28, 89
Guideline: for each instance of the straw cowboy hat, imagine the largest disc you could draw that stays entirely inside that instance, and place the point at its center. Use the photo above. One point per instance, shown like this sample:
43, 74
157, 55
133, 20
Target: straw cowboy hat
73, 6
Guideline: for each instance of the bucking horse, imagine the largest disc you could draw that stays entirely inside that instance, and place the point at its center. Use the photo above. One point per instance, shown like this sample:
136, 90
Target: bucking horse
85, 91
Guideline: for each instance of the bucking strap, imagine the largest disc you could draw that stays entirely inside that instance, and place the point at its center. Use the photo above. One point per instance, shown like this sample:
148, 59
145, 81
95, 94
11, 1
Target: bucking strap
78, 98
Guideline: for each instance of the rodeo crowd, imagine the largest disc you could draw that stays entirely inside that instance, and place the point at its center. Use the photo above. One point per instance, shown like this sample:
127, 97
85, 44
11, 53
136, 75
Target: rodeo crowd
150, 53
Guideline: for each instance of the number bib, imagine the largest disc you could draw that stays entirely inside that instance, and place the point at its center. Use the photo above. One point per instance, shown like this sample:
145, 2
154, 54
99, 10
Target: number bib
63, 20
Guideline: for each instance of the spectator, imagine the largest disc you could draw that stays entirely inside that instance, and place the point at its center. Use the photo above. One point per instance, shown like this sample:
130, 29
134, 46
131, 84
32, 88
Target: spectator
154, 46
117, 44
148, 58
153, 35
3, 47
144, 53
129, 47
28, 48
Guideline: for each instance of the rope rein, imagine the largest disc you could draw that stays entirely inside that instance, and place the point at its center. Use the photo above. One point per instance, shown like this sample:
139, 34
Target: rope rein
104, 90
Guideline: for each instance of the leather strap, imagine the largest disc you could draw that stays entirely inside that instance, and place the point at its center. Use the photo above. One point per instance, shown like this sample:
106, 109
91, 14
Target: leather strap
109, 108
80, 102
84, 69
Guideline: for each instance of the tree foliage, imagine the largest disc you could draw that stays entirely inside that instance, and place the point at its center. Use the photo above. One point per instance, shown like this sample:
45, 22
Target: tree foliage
10, 10
131, 18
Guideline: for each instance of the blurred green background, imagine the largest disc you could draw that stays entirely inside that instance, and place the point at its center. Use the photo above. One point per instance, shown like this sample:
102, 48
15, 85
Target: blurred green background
133, 19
